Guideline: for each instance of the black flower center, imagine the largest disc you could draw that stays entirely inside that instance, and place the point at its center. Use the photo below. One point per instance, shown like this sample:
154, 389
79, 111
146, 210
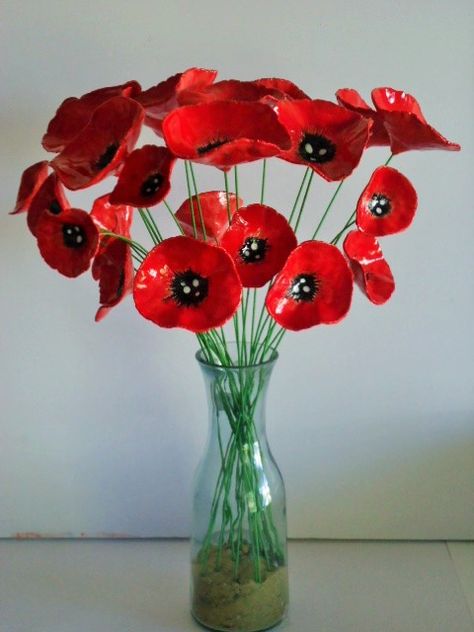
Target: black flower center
74, 236
316, 148
189, 288
210, 146
106, 157
55, 207
303, 288
253, 250
379, 205
151, 185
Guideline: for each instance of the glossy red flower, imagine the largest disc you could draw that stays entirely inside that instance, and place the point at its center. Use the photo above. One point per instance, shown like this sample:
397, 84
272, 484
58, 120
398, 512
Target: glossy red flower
50, 199
67, 242
113, 268
74, 113
314, 287
229, 90
144, 179
324, 136
371, 272
115, 218
187, 283
161, 99
31, 180
101, 145
214, 213
405, 124
224, 133
387, 204
352, 100
259, 240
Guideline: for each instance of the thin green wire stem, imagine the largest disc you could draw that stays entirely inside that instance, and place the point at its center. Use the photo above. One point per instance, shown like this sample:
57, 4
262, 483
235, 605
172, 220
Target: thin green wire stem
328, 208
303, 203
298, 195
149, 226
227, 190
190, 195
201, 216
139, 249
153, 222
264, 176
236, 181
175, 219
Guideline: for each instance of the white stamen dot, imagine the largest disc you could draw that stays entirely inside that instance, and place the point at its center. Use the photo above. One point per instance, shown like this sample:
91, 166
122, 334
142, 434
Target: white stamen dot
302, 280
186, 289
195, 282
254, 245
308, 148
322, 151
306, 288
257, 257
79, 239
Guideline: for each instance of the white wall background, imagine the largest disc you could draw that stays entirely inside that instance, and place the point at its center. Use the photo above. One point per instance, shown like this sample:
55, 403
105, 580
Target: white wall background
371, 421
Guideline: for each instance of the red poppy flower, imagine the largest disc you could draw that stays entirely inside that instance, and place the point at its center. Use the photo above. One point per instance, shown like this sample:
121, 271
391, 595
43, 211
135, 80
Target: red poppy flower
405, 123
113, 268
187, 283
372, 273
144, 179
352, 100
314, 287
228, 90
259, 240
161, 99
387, 204
224, 133
101, 145
67, 242
50, 199
115, 218
74, 113
31, 181
284, 86
214, 213
324, 136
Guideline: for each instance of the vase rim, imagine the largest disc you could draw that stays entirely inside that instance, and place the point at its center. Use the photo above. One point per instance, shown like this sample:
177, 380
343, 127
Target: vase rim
255, 365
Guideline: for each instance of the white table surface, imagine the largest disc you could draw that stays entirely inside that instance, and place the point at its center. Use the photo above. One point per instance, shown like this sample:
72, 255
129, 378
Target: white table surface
142, 586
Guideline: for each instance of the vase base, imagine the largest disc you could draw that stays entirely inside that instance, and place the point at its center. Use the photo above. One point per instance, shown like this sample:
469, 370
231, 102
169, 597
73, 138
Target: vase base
227, 629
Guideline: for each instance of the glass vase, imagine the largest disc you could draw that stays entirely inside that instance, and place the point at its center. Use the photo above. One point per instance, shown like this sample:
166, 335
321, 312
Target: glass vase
239, 555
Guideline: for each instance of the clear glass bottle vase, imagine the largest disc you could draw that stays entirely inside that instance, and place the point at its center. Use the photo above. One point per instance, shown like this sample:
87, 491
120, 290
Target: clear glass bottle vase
239, 555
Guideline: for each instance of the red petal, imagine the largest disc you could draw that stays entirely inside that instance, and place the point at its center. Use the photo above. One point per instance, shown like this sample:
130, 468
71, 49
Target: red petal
173, 265
31, 181
259, 241
229, 90
387, 204
113, 268
50, 199
144, 180
115, 218
67, 242
326, 137
214, 212
372, 272
224, 133
352, 100
102, 145
286, 87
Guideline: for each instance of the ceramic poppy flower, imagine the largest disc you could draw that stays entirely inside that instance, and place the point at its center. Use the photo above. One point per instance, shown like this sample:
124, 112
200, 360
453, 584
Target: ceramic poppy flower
387, 204
74, 113
406, 126
371, 272
115, 218
144, 179
314, 287
324, 136
229, 90
101, 145
259, 240
67, 242
50, 199
187, 283
352, 100
224, 133
31, 180
113, 268
161, 99
214, 213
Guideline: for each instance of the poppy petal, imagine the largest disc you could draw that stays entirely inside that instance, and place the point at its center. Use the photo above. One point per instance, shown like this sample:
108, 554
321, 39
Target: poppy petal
31, 180
67, 242
187, 283
285, 86
387, 204
113, 268
352, 100
314, 287
49, 199
214, 211
372, 273
115, 218
259, 240
101, 145
228, 90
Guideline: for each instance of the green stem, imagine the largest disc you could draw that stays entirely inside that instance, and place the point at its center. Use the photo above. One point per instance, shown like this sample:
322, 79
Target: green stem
298, 195
201, 217
190, 195
264, 175
303, 203
328, 208
175, 219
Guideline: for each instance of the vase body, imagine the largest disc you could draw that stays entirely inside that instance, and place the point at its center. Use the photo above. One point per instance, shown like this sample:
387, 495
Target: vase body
239, 555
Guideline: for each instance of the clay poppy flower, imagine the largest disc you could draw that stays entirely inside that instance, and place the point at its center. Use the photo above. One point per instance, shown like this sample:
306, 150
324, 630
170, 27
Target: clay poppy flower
115, 218
314, 287
324, 136
406, 126
224, 133
50, 199
161, 99
229, 90
214, 213
387, 204
113, 268
352, 100
144, 179
187, 283
74, 113
31, 180
371, 272
101, 145
259, 240
67, 242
